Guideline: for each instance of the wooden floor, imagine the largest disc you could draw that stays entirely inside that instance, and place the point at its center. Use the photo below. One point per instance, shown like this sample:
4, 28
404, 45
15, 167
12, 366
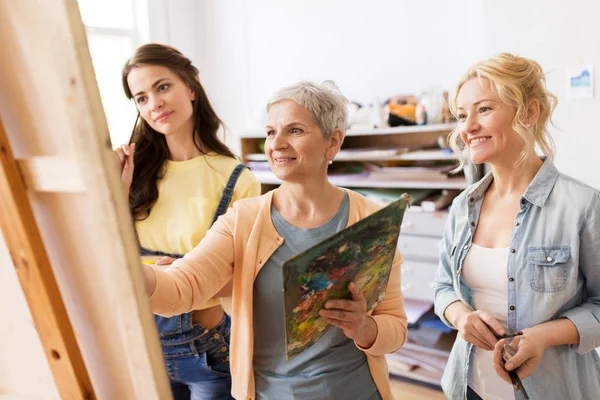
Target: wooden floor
407, 391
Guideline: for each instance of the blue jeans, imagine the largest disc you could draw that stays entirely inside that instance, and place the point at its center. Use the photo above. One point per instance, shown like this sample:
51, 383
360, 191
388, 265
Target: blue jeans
199, 369
197, 359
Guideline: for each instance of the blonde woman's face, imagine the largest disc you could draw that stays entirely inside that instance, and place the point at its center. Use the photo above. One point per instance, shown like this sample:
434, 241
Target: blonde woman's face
485, 123
295, 146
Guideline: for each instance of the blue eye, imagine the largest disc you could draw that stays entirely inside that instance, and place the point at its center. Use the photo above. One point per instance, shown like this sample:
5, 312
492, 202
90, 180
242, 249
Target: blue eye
296, 130
270, 133
163, 87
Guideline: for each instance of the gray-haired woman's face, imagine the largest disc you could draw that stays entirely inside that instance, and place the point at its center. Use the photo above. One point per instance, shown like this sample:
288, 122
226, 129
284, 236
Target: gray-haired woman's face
295, 146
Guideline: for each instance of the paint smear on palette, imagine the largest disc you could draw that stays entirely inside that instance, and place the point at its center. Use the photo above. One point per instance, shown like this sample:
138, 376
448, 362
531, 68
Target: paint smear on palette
362, 253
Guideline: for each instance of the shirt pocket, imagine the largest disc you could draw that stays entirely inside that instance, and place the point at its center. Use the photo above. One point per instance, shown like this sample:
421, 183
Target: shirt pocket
548, 268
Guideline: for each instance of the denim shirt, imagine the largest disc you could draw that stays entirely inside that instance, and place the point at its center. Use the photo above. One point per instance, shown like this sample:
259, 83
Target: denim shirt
553, 272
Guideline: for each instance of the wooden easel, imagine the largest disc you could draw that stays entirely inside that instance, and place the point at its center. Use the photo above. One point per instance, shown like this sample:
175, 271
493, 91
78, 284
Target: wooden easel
65, 219
37, 280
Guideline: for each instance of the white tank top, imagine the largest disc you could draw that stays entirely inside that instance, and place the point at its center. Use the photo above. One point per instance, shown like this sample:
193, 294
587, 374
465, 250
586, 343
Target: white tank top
484, 272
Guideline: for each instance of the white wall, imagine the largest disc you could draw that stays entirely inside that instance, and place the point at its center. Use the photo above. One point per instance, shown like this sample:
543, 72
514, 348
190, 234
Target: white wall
24, 369
558, 35
370, 49
246, 49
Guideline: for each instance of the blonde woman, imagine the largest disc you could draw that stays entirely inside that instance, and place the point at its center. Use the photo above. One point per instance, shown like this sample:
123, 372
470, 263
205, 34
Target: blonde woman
249, 244
521, 249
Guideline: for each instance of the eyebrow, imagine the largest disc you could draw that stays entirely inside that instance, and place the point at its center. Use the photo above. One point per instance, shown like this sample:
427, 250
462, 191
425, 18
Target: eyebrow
155, 84
478, 102
288, 125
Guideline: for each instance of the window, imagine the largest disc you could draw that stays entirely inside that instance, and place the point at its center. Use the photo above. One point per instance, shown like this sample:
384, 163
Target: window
113, 34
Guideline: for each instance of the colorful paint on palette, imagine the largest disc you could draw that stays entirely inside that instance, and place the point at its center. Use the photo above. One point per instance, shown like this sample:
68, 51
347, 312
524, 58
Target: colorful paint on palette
362, 253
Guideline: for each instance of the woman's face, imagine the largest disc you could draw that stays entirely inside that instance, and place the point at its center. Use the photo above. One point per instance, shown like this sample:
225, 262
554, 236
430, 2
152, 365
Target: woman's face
163, 99
295, 146
485, 123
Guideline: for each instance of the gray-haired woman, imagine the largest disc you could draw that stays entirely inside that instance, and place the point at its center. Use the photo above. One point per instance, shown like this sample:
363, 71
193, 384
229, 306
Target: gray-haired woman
248, 245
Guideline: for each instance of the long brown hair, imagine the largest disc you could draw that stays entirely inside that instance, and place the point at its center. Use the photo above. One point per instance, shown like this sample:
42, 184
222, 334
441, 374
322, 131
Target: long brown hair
151, 150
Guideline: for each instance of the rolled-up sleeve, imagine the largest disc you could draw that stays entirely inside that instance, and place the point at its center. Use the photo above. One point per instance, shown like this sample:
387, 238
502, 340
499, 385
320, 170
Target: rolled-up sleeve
199, 275
586, 317
443, 289
390, 316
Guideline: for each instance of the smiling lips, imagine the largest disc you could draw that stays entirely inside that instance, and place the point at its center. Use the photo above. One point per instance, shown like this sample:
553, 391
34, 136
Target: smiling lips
283, 160
163, 117
478, 140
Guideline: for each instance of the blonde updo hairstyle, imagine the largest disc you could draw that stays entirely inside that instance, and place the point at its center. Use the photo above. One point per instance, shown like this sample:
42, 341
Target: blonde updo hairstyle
516, 80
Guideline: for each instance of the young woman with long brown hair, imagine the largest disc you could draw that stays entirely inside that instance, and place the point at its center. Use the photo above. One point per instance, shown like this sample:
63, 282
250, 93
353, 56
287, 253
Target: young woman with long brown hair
179, 178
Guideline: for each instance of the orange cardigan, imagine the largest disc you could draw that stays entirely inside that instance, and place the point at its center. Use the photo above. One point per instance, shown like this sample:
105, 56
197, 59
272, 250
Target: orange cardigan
237, 246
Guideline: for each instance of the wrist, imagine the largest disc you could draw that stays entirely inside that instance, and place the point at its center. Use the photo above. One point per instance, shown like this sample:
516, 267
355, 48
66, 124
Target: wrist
538, 335
455, 312
368, 333
150, 279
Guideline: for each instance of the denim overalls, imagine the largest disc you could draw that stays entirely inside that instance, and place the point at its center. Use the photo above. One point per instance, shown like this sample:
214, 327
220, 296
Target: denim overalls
197, 359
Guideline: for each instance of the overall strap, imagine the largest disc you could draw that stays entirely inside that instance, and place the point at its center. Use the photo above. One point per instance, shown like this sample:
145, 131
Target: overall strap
146, 252
228, 191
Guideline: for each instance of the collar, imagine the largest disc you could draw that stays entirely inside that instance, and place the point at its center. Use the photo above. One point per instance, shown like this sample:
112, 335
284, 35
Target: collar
537, 192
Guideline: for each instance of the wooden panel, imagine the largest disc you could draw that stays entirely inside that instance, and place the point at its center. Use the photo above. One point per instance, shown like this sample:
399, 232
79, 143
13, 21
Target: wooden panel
37, 280
51, 174
50, 106
249, 146
415, 140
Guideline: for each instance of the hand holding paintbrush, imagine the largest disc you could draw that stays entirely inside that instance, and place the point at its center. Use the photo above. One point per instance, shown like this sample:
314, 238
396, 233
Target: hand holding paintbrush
125, 153
518, 360
508, 352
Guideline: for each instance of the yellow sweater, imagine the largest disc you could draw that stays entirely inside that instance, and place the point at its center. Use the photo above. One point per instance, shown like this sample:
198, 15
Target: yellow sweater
188, 196
237, 247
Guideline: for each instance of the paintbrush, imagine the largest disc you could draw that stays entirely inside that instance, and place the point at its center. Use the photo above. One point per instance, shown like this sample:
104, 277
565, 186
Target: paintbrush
507, 352
510, 335
130, 141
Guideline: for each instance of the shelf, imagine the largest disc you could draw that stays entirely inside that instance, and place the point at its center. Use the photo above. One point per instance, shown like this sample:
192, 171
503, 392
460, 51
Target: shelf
267, 177
420, 155
399, 130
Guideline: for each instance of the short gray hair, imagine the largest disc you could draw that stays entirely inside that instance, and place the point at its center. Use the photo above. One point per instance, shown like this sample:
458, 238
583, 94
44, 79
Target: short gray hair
324, 101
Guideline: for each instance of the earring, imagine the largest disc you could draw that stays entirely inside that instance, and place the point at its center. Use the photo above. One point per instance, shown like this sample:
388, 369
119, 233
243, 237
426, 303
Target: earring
330, 161
527, 126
